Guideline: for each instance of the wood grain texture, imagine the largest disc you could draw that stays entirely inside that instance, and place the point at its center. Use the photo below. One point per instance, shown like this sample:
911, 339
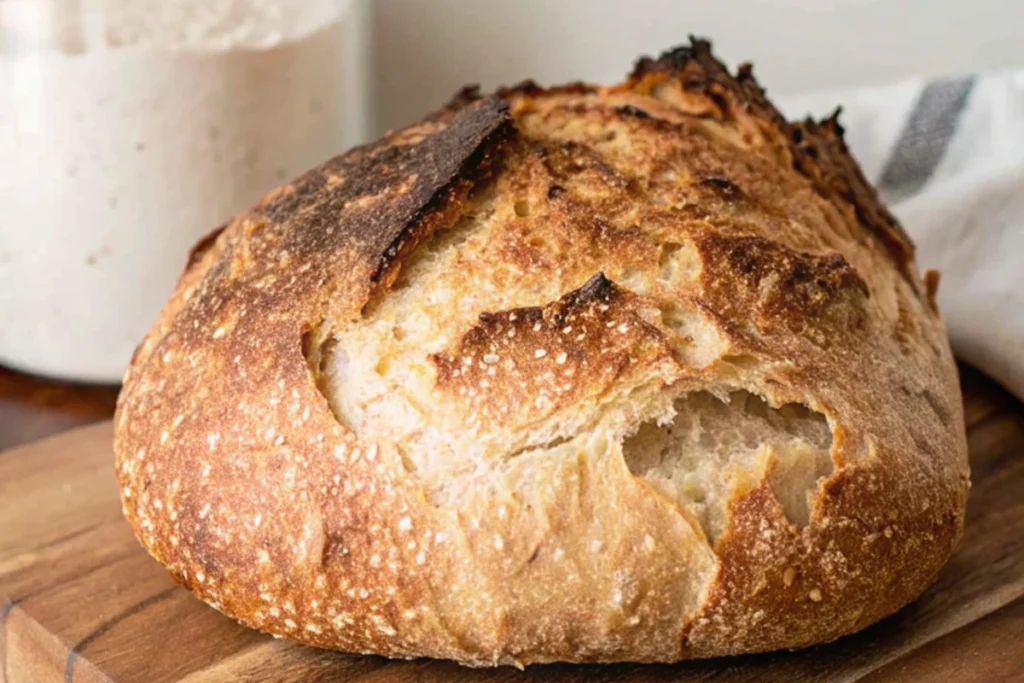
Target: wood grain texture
35, 407
81, 601
1001, 632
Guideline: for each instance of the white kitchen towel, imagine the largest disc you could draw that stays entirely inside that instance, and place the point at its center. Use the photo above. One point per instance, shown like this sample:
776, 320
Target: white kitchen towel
948, 159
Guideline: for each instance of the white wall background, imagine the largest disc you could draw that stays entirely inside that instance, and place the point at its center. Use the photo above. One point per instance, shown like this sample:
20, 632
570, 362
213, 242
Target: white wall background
426, 49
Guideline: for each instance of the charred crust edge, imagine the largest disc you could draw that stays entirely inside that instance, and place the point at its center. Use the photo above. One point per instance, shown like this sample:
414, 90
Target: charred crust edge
817, 149
598, 289
466, 95
530, 88
477, 166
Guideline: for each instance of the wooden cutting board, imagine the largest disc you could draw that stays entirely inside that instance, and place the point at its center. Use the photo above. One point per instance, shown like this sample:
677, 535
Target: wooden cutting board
81, 601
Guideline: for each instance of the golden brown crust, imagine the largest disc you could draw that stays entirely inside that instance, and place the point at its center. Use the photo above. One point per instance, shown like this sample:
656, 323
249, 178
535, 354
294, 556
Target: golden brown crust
534, 279
586, 340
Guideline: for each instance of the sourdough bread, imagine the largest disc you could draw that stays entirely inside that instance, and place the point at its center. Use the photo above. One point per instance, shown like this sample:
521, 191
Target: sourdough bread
641, 372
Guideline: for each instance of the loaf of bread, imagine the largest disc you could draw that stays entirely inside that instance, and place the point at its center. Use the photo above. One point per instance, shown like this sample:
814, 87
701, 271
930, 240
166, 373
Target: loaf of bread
630, 373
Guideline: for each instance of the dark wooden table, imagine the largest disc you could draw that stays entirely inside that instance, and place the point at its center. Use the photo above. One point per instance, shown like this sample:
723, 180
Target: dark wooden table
32, 407
989, 648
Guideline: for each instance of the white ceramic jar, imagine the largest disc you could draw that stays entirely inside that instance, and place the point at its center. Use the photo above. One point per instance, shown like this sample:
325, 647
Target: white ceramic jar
129, 129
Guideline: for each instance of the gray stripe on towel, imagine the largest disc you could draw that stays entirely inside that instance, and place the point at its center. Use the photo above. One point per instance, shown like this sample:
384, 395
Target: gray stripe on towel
925, 137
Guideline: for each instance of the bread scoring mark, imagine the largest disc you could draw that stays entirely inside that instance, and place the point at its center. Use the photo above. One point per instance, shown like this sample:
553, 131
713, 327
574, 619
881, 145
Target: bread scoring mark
422, 188
338, 368
445, 207
379, 198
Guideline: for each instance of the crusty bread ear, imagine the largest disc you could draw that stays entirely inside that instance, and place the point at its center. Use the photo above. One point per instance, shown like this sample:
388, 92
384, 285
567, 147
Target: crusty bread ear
640, 372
